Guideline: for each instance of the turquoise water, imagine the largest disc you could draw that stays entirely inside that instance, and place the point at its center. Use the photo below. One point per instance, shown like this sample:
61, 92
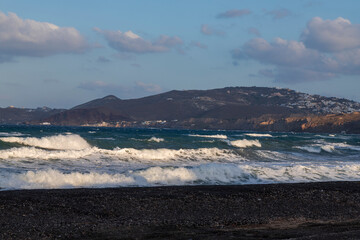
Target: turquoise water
72, 157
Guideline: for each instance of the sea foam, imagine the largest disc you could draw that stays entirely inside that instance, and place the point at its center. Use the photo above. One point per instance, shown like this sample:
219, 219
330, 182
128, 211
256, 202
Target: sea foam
258, 135
214, 173
245, 143
327, 147
125, 154
60, 142
219, 136
155, 139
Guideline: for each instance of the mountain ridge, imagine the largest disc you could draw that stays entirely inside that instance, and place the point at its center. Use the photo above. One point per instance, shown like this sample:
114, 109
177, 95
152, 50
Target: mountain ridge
240, 108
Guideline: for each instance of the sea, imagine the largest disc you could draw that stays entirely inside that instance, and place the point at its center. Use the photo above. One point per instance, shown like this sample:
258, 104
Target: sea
50, 157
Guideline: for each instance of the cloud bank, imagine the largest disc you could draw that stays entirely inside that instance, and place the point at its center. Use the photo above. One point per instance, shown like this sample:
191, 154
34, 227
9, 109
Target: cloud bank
19, 37
331, 35
327, 48
132, 43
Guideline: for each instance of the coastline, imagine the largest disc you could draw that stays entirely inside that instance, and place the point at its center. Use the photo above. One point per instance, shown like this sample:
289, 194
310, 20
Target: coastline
321, 210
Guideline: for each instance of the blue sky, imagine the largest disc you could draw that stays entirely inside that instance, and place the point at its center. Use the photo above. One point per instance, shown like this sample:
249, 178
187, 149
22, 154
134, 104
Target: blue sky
63, 53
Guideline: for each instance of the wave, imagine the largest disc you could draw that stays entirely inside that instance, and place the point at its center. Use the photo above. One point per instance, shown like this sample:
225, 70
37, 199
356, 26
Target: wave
220, 136
214, 173
125, 154
328, 147
36, 153
12, 134
173, 154
316, 149
244, 143
60, 142
106, 138
258, 135
155, 139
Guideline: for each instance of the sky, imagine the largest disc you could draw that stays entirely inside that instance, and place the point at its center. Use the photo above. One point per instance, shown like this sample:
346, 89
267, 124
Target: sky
62, 53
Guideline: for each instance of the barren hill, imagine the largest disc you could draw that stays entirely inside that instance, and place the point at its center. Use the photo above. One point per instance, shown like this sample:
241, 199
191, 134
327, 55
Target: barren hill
243, 108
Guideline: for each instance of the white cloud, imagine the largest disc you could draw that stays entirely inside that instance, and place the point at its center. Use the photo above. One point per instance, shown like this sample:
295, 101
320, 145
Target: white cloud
198, 45
279, 52
27, 37
293, 60
331, 35
234, 13
207, 30
322, 54
254, 31
133, 43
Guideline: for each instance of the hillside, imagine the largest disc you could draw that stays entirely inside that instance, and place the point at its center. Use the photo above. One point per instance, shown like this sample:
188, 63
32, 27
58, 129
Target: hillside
243, 108
12, 115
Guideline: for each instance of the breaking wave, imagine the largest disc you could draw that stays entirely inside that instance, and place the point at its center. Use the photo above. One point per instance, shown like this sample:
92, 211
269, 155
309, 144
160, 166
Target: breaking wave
60, 142
245, 143
328, 147
220, 136
155, 139
258, 135
214, 173
121, 153
11, 134
36, 153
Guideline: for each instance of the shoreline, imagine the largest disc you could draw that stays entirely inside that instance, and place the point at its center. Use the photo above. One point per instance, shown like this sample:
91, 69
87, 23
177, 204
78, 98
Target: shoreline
184, 129
326, 210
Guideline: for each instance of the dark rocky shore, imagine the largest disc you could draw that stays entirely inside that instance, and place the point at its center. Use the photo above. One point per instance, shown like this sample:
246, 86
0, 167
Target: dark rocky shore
328, 210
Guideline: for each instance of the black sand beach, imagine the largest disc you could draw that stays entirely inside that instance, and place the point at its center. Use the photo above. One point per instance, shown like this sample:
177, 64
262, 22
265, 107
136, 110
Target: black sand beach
329, 210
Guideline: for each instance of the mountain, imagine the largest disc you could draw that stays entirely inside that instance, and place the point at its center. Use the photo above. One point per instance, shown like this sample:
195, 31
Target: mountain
243, 108
12, 115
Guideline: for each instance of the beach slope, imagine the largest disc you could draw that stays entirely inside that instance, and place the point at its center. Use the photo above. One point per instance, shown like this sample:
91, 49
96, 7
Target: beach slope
329, 210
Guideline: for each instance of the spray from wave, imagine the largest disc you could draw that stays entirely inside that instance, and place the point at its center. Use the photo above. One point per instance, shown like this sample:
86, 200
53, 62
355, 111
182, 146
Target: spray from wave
125, 154
219, 136
244, 143
155, 139
60, 142
258, 135
214, 173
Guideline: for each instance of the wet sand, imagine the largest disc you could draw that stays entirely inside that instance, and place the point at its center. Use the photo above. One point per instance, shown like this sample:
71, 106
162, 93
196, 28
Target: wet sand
329, 210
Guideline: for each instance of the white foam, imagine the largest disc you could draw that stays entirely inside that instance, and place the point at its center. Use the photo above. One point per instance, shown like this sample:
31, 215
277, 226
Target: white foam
35, 153
155, 139
63, 142
173, 154
220, 136
55, 179
245, 143
125, 154
11, 134
258, 135
328, 147
317, 148
200, 174
311, 149
106, 138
